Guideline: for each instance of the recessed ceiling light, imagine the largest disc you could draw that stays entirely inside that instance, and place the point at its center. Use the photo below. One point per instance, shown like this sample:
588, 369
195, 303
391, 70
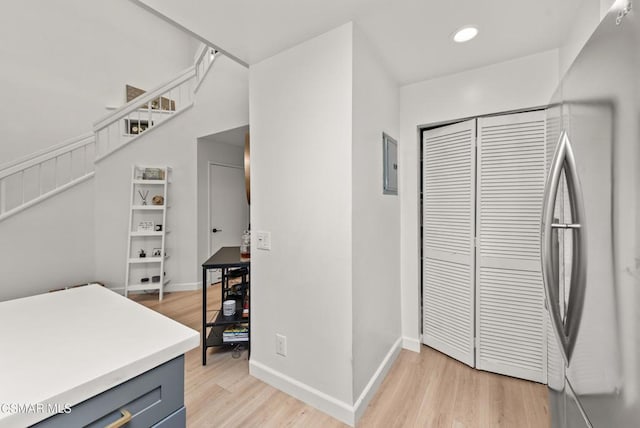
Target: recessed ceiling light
465, 34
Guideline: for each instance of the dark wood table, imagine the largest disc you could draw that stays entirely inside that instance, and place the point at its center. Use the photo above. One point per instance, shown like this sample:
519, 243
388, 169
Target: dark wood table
226, 258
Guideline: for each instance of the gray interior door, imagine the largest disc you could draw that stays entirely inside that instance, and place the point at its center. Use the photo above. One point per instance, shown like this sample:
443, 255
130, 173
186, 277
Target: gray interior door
228, 208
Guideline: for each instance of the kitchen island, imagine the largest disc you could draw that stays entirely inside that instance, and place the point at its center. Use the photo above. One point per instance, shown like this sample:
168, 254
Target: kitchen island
88, 356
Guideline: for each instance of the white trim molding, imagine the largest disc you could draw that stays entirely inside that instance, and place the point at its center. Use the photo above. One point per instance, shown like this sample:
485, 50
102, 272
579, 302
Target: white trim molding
169, 288
185, 286
370, 390
344, 412
411, 344
303, 392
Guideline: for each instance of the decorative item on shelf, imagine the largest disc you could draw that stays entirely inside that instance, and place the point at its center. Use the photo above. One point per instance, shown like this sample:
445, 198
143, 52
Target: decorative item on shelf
236, 333
155, 278
245, 308
142, 254
157, 252
135, 127
245, 246
145, 279
158, 228
146, 226
158, 103
228, 308
143, 196
153, 174
157, 200
132, 92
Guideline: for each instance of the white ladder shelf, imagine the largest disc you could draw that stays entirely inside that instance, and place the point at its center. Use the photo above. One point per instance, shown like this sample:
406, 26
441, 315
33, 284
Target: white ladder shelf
146, 249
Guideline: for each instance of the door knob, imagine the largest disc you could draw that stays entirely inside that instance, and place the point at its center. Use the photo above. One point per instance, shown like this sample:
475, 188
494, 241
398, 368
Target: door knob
214, 230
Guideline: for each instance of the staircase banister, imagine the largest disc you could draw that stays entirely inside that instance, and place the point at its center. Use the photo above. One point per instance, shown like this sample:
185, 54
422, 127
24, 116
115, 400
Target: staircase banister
33, 169
38, 157
60, 189
145, 98
202, 50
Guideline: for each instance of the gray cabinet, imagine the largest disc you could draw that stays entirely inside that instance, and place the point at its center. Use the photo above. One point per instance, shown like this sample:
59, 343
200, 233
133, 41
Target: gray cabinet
154, 398
175, 420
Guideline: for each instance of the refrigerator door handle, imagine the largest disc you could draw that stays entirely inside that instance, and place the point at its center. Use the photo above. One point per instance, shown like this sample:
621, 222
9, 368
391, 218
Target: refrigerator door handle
578, 282
566, 332
549, 273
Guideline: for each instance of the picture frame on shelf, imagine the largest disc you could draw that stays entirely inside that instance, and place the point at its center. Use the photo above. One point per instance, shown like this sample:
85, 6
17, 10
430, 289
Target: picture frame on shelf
146, 226
153, 174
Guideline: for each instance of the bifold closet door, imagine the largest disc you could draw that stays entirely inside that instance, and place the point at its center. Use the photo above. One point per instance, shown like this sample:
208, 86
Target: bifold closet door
448, 235
510, 314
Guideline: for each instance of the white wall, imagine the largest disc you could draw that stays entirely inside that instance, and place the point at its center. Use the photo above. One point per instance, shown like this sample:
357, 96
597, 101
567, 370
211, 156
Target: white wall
585, 21
49, 245
605, 5
221, 103
301, 169
63, 62
516, 84
210, 150
203, 21
376, 217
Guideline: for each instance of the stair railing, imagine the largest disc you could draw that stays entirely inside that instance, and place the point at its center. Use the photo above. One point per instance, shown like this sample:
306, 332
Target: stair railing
34, 178
143, 113
151, 108
203, 60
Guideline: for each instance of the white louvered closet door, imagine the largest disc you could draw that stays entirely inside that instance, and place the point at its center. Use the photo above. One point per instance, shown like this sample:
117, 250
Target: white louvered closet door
510, 315
448, 234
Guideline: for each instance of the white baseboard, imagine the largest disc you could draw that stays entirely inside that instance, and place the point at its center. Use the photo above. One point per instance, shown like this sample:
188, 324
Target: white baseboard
370, 390
411, 344
332, 406
303, 392
185, 286
169, 288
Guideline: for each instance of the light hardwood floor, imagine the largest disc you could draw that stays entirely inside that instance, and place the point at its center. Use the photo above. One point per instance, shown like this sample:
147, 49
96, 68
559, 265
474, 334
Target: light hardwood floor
422, 390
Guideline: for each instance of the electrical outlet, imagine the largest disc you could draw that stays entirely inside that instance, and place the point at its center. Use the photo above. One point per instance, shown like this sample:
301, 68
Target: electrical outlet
264, 240
281, 345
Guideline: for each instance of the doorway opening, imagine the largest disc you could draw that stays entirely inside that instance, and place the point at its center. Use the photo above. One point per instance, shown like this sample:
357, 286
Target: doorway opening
223, 208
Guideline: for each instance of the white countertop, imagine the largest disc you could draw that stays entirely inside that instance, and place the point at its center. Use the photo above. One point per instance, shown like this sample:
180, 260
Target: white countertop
67, 346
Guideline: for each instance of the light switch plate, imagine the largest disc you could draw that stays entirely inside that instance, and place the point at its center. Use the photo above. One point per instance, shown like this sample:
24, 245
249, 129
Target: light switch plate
264, 240
281, 345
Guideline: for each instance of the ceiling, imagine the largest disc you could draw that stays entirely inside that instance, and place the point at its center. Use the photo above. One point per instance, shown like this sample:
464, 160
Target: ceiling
234, 137
411, 36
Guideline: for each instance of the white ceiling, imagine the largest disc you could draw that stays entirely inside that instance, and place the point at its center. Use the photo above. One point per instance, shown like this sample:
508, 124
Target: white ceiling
412, 36
234, 137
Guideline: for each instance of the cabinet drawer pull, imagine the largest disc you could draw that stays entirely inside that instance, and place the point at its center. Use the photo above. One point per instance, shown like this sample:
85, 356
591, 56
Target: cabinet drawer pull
126, 417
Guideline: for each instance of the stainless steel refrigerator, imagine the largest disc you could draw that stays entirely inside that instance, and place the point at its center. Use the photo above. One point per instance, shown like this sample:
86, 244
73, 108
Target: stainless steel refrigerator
590, 241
